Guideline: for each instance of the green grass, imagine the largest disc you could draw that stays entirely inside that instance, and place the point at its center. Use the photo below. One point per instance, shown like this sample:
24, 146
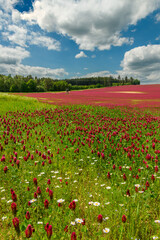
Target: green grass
85, 128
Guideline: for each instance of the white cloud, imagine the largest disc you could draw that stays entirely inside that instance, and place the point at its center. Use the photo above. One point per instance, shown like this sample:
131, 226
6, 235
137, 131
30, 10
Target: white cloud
25, 70
43, 41
10, 55
10, 63
97, 74
142, 63
81, 55
16, 35
7, 5
22, 36
157, 17
92, 23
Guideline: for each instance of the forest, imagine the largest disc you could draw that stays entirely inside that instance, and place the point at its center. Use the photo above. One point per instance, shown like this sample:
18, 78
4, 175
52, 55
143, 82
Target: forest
20, 83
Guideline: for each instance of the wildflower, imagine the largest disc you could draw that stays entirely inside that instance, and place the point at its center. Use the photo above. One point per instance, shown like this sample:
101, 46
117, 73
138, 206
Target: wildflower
106, 230
28, 231
38, 190
152, 178
100, 218
35, 181
83, 223
124, 176
60, 200
35, 195
14, 207
14, 196
51, 194
156, 168
96, 204
157, 221
49, 231
78, 220
49, 182
73, 223
66, 228
27, 215
72, 205
124, 218
128, 193
73, 236
108, 175
46, 203
16, 223
46, 227
147, 184
5, 169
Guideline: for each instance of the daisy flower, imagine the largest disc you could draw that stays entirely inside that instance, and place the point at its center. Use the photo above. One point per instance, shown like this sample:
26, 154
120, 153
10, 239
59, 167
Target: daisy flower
96, 204
78, 220
106, 230
60, 200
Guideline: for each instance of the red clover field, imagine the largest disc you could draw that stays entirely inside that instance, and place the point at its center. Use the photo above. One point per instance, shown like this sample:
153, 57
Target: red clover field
78, 172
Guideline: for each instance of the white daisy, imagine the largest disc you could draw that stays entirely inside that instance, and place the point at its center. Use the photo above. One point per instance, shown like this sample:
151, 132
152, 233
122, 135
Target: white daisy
73, 223
96, 204
106, 230
60, 200
78, 220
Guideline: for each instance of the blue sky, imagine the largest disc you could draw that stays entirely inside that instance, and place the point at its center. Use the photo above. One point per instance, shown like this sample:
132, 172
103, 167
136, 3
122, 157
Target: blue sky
79, 38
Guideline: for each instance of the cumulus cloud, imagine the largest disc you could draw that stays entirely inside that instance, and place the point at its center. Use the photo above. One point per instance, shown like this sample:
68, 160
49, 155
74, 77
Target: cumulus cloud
93, 23
10, 63
81, 55
7, 5
10, 55
143, 63
157, 17
22, 36
97, 74
25, 70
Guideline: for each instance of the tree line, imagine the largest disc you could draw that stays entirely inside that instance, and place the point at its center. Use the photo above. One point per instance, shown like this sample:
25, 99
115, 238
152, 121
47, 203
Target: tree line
20, 83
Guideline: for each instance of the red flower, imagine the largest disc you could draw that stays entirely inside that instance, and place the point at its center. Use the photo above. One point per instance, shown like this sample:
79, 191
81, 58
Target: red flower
124, 218
147, 184
114, 166
100, 218
72, 205
28, 231
83, 223
152, 178
66, 229
108, 175
49, 231
73, 236
38, 190
51, 194
35, 195
49, 182
124, 176
28, 215
14, 207
128, 193
16, 223
14, 196
46, 203
156, 168
5, 169
35, 181
46, 227
47, 189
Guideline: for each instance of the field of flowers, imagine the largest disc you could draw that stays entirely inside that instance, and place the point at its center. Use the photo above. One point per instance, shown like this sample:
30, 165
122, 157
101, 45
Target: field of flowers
135, 96
78, 172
